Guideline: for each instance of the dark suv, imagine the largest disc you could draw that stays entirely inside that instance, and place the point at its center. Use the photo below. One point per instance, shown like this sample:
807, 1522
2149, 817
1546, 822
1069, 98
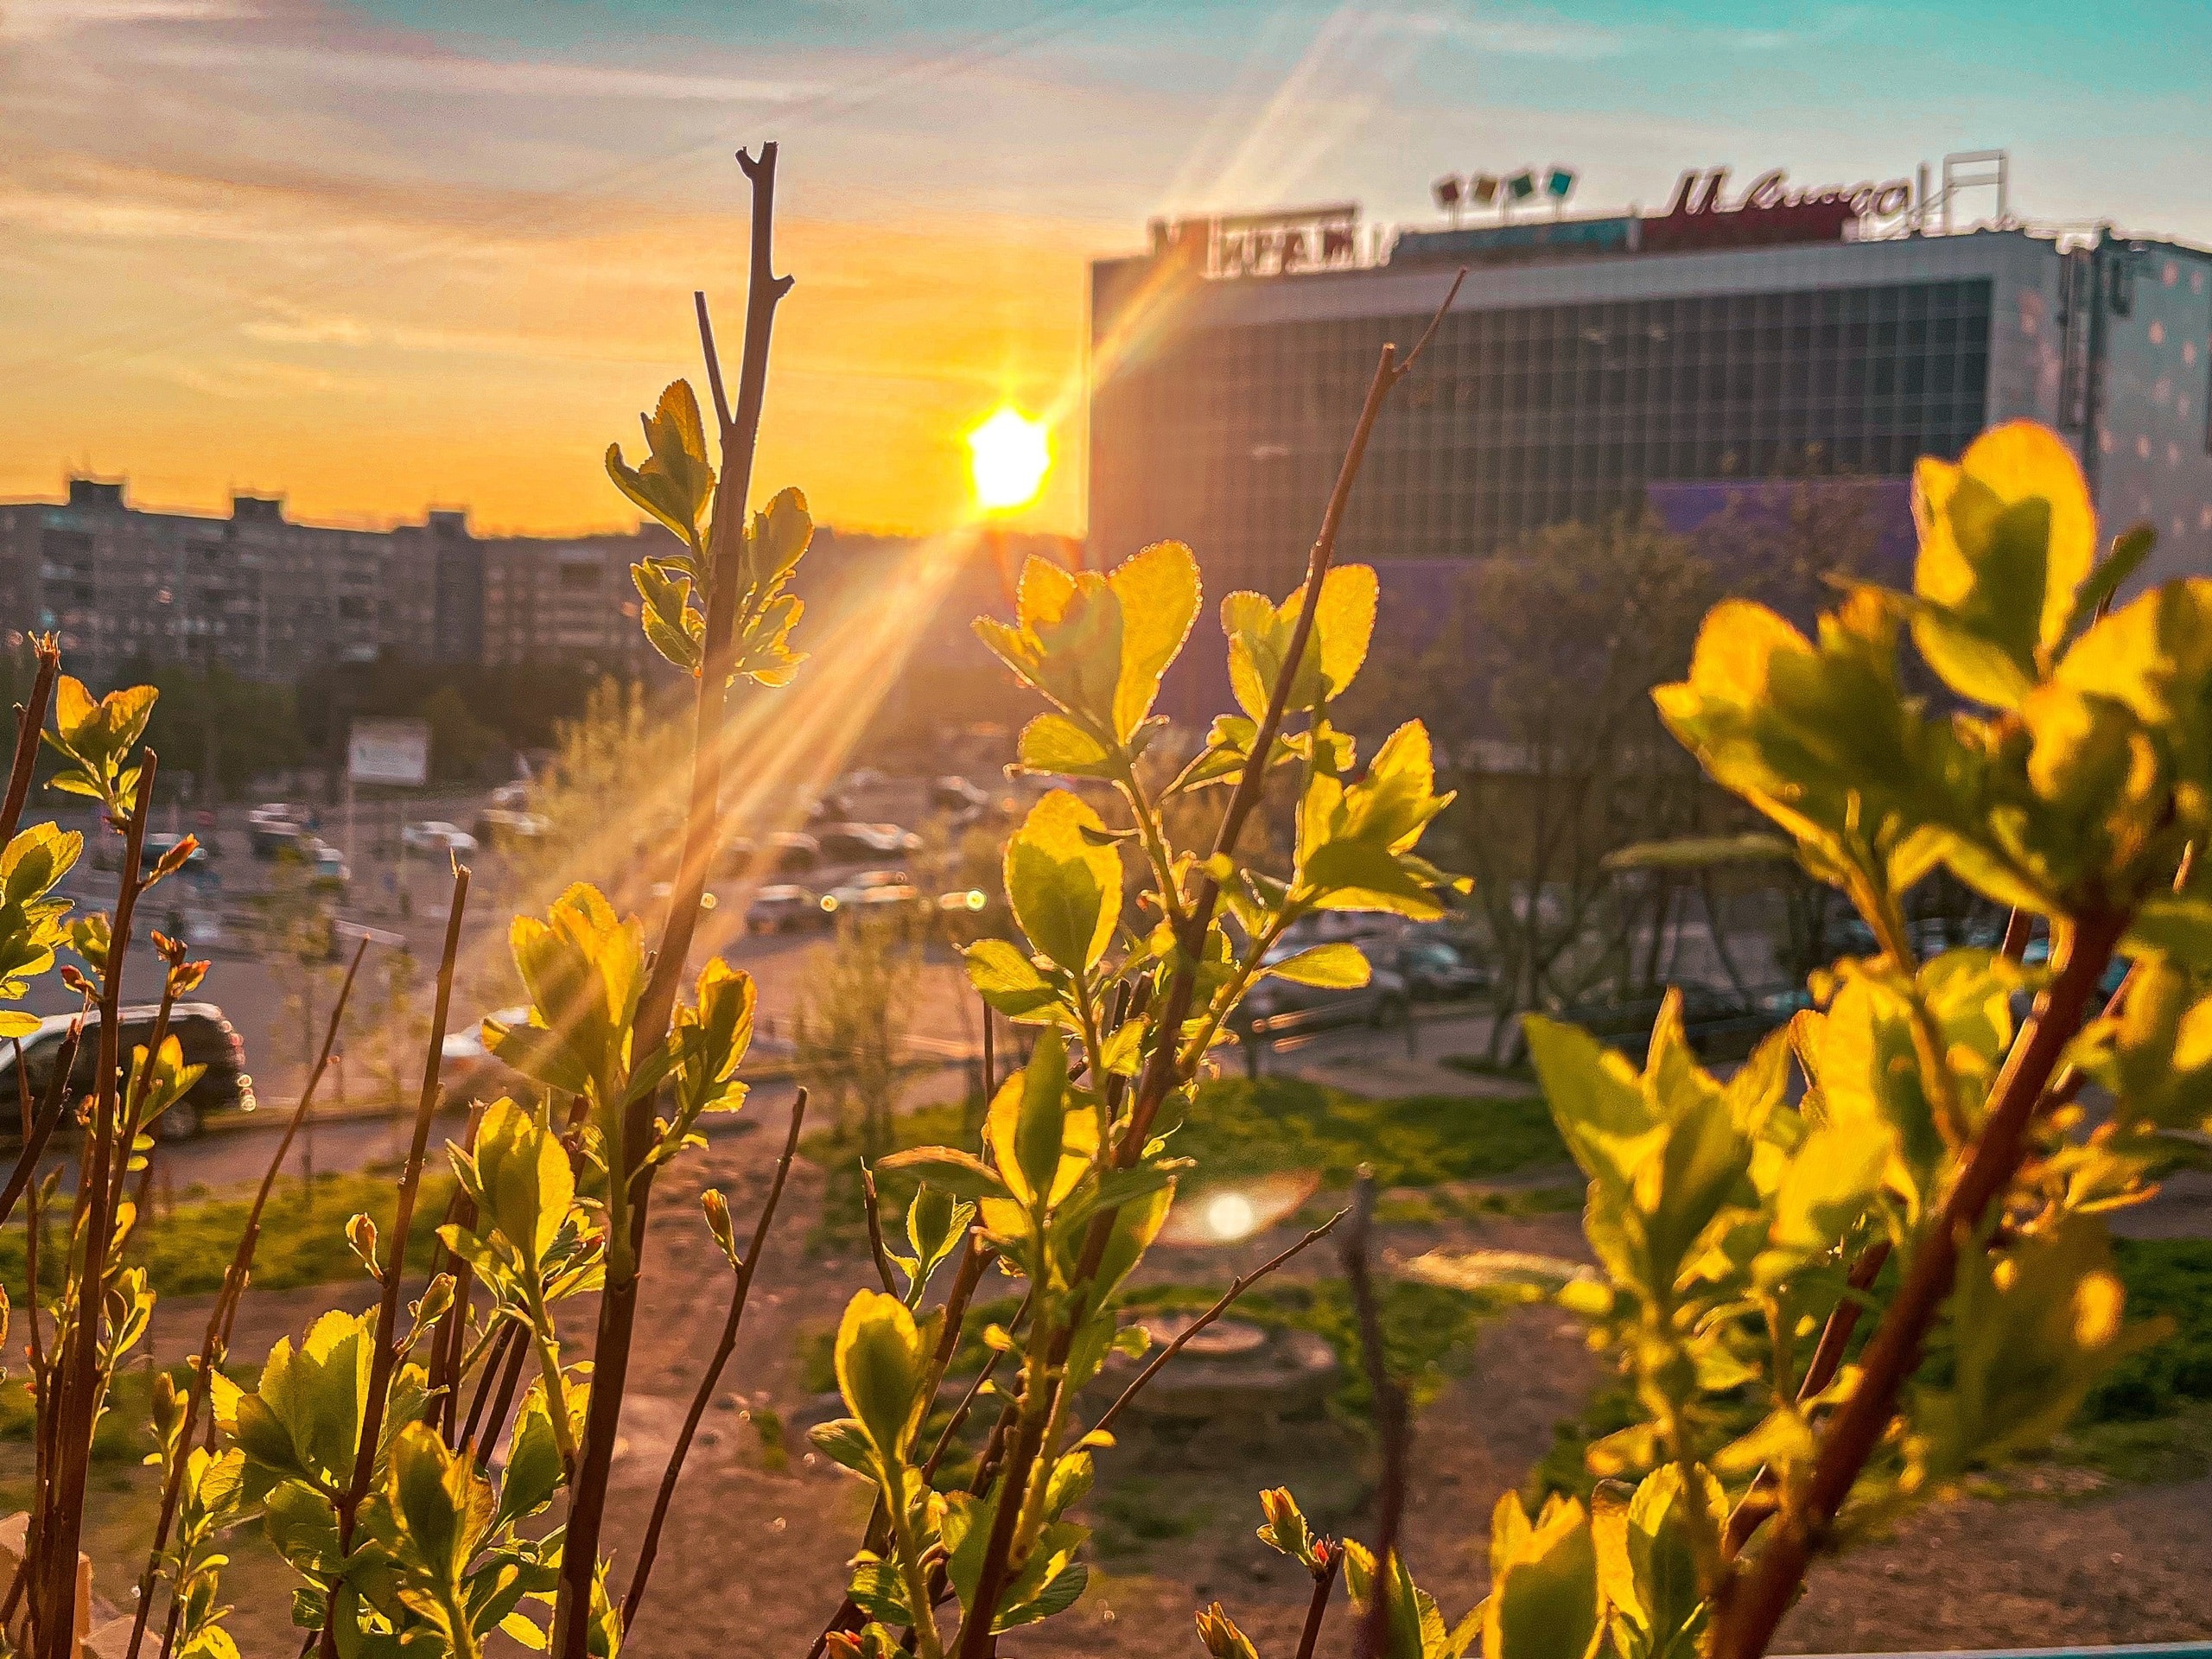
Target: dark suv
205, 1035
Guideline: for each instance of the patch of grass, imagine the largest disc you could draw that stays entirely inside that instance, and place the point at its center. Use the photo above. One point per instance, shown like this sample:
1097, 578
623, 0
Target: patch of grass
1134, 1511
2167, 1450
1239, 1127
1481, 1065
302, 1237
1424, 1208
2170, 1278
121, 1438
768, 1428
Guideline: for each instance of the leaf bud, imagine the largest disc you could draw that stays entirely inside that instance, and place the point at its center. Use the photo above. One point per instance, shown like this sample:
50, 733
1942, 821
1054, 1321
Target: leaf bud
718, 1223
361, 1235
1222, 1639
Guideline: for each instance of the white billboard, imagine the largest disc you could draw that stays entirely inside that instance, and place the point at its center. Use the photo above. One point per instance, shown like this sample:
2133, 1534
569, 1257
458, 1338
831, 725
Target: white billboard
389, 752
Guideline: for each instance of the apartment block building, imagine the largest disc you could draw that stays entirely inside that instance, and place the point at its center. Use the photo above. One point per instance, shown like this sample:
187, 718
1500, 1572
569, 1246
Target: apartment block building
269, 599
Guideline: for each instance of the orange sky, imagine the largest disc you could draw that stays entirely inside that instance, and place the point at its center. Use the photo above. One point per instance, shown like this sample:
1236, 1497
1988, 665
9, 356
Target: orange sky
495, 366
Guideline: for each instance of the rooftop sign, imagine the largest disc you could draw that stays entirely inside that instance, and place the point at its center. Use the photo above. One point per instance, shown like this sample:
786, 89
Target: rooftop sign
1770, 210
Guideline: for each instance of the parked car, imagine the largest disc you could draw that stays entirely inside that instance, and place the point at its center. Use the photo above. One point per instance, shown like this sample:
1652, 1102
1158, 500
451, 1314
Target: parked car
863, 843
1433, 970
1719, 1025
497, 826
784, 907
958, 796
326, 865
795, 853
511, 797
436, 835
1275, 1006
872, 893
159, 843
205, 1036
470, 1070
275, 825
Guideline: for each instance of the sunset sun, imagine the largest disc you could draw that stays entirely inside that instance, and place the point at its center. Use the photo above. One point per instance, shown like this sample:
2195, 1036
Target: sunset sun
1010, 455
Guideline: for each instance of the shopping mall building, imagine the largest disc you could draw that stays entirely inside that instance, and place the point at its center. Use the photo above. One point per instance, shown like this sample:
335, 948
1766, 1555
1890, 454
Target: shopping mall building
1755, 331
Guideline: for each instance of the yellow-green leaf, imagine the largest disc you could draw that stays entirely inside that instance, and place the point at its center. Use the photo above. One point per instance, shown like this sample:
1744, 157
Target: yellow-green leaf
1065, 889
1980, 557
1158, 590
1338, 965
878, 1359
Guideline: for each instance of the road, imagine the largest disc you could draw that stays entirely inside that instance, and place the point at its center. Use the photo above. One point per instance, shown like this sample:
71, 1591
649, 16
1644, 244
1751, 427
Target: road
280, 1006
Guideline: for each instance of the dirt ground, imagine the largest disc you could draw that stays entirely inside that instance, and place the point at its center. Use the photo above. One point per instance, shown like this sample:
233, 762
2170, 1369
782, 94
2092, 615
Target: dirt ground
752, 1560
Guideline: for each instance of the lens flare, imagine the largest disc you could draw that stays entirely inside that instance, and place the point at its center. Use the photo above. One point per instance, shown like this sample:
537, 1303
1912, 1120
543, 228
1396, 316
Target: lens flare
1010, 455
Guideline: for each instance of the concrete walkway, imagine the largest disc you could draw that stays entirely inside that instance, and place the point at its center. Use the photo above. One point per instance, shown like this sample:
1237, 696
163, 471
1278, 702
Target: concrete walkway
1405, 1061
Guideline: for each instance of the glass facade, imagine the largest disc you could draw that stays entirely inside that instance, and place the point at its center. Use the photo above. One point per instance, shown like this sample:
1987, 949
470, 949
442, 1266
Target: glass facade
1230, 436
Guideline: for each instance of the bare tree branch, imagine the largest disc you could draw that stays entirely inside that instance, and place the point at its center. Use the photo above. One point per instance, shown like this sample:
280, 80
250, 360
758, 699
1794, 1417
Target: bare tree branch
1236, 1289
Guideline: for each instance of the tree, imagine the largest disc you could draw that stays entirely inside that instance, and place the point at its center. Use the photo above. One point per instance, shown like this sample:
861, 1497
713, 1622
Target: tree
1542, 683
221, 730
460, 743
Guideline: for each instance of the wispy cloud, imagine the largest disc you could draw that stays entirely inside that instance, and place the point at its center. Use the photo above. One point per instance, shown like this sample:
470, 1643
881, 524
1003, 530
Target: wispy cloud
1534, 34
54, 20
454, 75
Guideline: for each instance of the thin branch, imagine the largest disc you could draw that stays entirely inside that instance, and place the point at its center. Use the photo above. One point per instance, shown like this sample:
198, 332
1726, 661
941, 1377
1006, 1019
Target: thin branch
713, 359
1435, 322
740, 1290
450, 1346
233, 1287
1160, 1074
1318, 1608
384, 1355
990, 1072
31, 721
874, 1209
1758, 1502
496, 1356
519, 1355
1390, 1418
39, 1129
76, 1401
967, 1401
1236, 1289
618, 1306
1745, 1621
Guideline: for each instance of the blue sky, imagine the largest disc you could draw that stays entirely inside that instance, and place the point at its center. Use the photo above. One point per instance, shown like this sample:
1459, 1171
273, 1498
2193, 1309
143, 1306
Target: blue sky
379, 251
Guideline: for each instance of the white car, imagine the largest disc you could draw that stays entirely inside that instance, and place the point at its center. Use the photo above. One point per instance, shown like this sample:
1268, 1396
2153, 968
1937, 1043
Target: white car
436, 835
872, 893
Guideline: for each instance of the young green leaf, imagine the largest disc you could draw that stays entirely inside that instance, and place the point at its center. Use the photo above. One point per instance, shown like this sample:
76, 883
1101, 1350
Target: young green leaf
1065, 890
880, 1360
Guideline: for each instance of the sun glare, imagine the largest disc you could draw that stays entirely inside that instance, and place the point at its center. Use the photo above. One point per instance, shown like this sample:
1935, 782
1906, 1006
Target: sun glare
1011, 456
